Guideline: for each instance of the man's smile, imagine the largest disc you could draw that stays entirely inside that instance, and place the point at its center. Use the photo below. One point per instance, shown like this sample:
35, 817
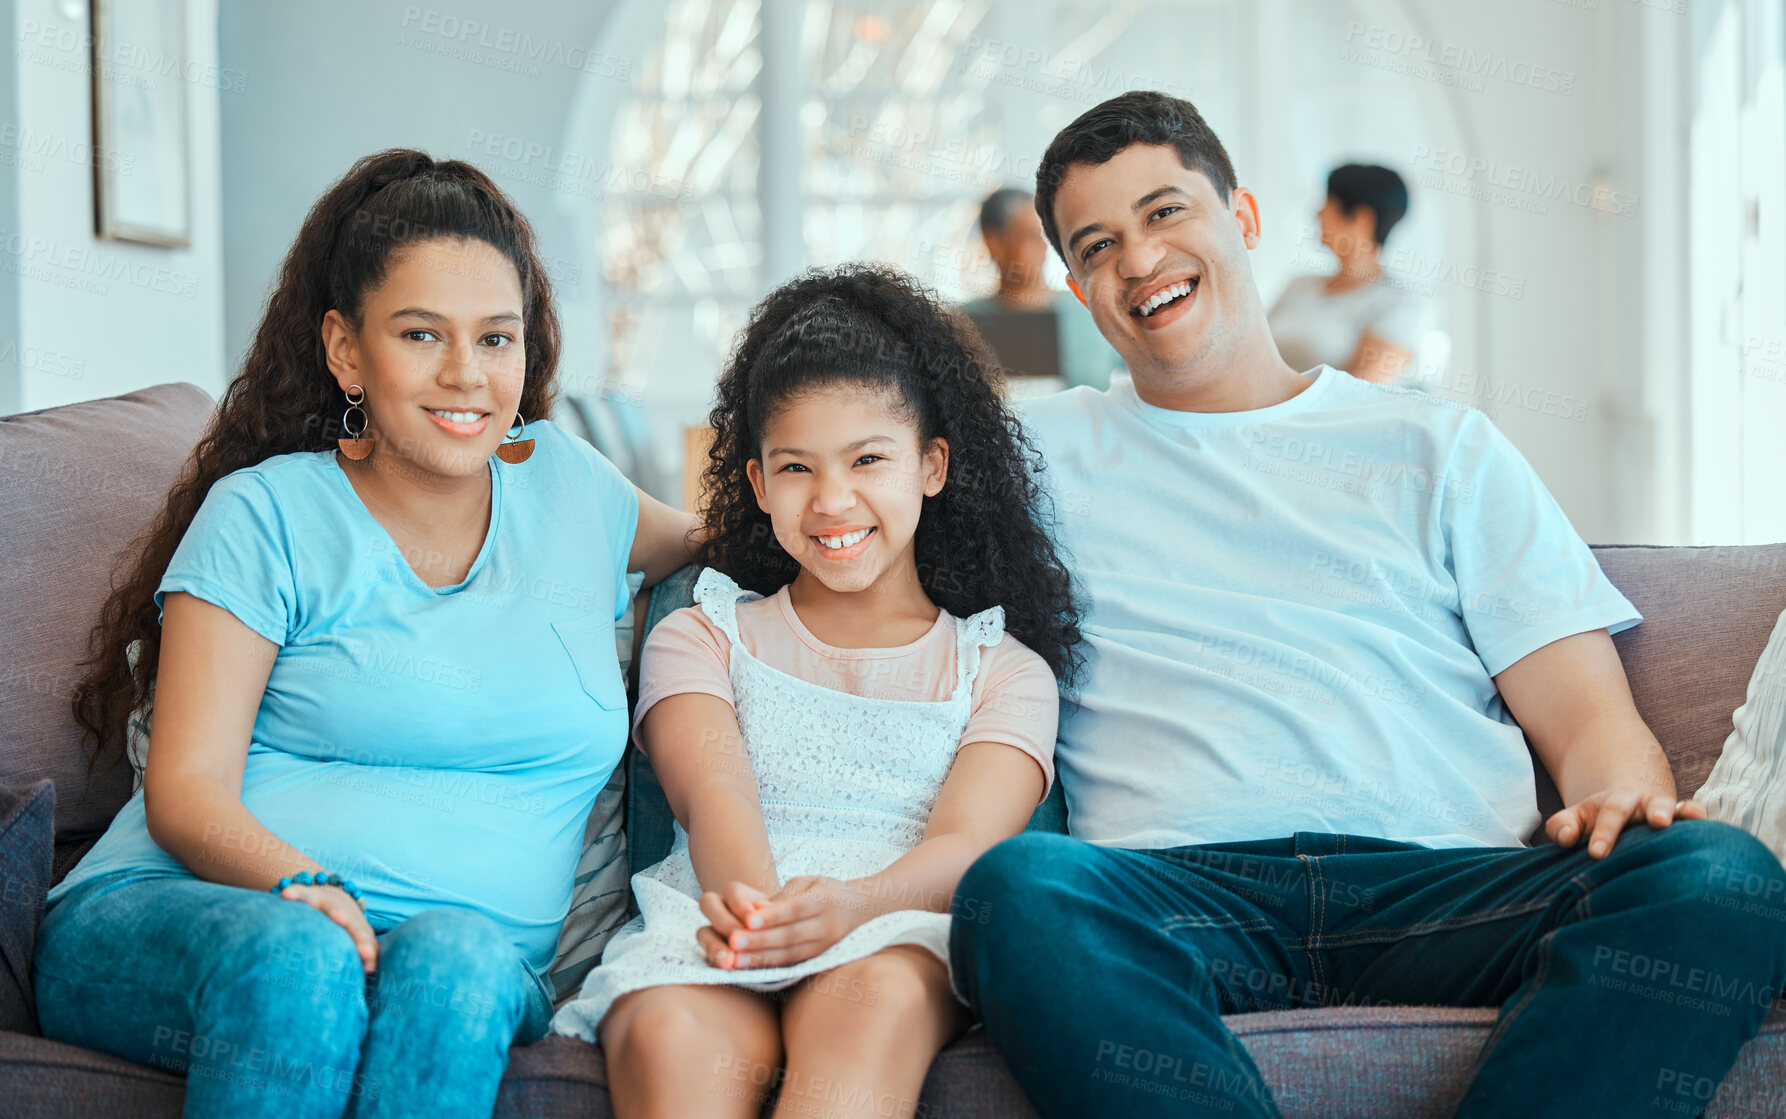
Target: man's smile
1162, 304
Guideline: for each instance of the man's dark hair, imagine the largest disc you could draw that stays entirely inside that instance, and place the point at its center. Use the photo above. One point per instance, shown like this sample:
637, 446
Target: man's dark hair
996, 211
1366, 184
1137, 117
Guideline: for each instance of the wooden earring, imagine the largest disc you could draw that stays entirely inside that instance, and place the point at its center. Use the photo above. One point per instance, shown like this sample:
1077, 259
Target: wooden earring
354, 447
519, 450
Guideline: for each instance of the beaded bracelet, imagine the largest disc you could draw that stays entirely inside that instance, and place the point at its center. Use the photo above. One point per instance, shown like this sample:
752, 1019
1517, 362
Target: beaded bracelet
305, 878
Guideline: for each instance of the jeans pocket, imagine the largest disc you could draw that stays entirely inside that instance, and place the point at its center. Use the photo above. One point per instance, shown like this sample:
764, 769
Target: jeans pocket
590, 642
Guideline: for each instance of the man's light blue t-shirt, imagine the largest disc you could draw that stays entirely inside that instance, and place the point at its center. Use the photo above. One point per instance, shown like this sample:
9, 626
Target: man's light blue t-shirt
437, 745
1293, 615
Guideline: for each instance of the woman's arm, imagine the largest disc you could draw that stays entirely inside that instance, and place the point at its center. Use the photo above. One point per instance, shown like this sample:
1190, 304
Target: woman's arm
1378, 359
665, 541
212, 675
989, 795
208, 688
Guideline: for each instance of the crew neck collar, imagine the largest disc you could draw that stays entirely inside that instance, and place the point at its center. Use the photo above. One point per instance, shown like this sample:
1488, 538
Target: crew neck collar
835, 652
1322, 376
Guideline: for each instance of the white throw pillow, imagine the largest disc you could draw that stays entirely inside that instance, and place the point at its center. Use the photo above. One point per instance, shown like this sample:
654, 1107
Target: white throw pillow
1748, 785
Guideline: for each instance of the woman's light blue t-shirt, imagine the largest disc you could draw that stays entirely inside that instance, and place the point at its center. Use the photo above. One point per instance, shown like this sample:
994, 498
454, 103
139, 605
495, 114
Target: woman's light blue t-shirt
437, 745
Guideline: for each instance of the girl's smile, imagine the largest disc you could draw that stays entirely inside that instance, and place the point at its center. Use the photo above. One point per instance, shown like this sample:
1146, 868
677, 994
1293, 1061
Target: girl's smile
843, 479
844, 544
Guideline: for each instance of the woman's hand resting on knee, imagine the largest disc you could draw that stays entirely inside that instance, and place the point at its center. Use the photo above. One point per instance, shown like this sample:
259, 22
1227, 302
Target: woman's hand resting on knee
332, 902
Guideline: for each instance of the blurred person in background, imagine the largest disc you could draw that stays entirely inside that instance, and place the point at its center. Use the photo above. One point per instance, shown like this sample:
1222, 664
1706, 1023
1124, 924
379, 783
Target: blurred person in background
1358, 319
1012, 233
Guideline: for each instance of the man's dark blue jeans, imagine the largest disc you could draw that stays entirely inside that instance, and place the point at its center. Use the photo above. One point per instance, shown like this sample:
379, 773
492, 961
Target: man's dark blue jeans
1101, 974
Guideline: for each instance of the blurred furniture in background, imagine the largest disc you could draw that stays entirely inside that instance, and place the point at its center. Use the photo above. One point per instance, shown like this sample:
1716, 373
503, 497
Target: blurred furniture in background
696, 440
615, 425
1027, 345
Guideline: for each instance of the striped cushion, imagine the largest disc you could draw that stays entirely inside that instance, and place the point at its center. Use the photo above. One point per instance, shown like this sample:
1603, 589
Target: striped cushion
601, 894
1748, 785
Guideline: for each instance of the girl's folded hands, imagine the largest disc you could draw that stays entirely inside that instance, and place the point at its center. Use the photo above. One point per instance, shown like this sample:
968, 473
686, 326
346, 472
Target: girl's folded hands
802, 919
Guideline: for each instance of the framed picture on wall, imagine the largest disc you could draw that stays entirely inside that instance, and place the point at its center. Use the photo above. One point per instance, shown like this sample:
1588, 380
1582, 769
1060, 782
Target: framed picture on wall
142, 180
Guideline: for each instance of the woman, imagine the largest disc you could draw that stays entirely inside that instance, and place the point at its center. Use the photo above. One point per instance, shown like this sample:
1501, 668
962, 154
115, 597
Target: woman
385, 685
1357, 319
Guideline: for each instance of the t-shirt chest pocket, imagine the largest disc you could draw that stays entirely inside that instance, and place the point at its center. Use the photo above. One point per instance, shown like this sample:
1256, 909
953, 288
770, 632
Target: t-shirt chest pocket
590, 643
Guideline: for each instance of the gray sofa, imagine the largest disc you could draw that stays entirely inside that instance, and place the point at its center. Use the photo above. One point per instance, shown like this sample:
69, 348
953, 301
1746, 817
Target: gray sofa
77, 483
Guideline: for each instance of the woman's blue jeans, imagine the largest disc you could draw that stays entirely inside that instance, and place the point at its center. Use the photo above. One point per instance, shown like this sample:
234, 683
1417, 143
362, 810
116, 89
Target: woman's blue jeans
263, 1003
1626, 985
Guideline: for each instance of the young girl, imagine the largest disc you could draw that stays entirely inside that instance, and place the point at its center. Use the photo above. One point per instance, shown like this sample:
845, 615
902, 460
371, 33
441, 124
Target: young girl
863, 701
375, 742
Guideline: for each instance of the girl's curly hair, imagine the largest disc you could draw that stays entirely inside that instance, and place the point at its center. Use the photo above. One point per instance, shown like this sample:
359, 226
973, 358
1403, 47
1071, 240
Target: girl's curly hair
982, 541
284, 399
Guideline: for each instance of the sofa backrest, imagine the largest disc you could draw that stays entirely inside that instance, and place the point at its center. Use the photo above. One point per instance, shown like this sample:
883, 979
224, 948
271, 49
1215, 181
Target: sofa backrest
1707, 614
78, 484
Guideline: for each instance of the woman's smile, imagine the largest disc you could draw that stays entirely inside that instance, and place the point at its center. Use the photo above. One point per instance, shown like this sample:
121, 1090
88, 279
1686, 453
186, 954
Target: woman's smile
463, 423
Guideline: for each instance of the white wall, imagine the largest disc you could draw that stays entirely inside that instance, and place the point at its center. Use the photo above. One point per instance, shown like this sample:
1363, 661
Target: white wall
10, 387
96, 318
1629, 188
1735, 119
1527, 215
488, 81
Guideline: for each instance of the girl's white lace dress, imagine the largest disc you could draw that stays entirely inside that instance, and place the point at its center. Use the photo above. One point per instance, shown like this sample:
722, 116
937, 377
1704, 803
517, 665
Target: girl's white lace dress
846, 783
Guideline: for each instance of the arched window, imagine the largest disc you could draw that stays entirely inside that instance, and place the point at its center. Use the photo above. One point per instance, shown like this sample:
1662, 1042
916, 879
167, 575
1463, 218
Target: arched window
759, 138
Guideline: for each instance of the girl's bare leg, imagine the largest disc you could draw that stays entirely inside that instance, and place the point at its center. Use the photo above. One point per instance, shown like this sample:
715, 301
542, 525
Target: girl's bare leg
682, 1050
860, 1038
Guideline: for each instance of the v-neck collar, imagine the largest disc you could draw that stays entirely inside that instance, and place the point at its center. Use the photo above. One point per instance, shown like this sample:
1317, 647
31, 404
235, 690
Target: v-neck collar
415, 581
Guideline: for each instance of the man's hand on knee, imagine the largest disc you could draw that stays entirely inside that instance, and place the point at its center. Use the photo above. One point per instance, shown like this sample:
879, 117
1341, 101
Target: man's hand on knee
1604, 815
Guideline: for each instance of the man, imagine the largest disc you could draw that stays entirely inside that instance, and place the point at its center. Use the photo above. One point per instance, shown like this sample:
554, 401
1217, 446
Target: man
1313, 608
1013, 237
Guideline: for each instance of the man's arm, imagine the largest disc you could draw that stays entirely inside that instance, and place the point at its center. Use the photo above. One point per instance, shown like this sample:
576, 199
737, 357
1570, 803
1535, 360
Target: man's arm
1573, 702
